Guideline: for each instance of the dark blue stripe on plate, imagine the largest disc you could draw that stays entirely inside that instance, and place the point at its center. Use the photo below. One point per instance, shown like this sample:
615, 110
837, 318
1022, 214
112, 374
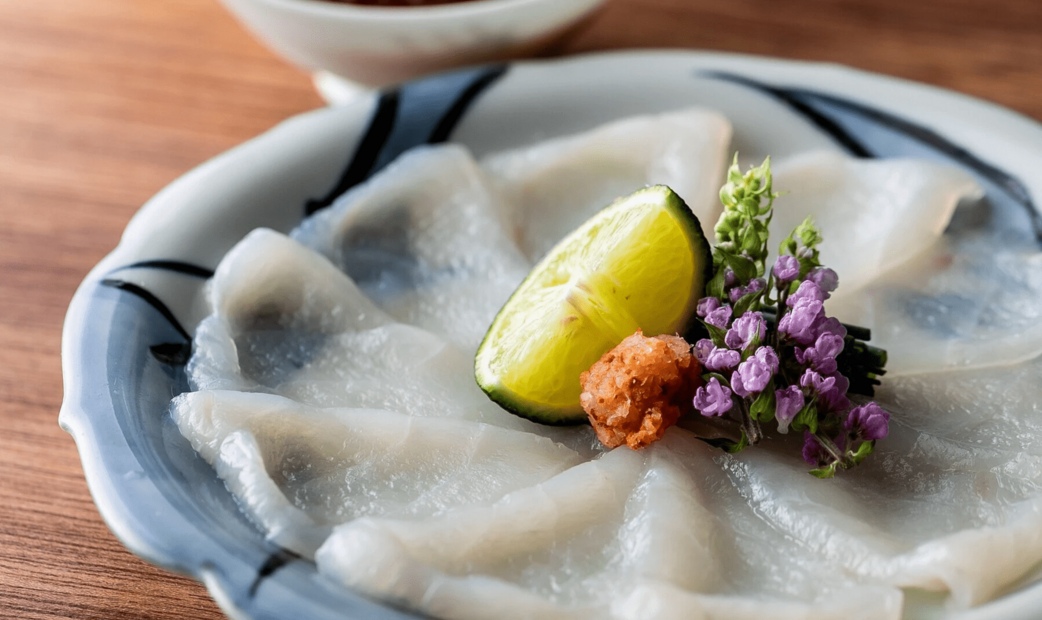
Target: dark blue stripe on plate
151, 300
274, 562
421, 112
443, 130
869, 132
170, 265
797, 103
172, 353
368, 149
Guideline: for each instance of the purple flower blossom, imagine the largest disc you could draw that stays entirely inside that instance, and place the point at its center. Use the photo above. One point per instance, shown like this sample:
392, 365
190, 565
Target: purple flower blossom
755, 286
786, 269
813, 452
825, 278
713, 399
831, 390
702, 350
813, 383
836, 398
807, 290
730, 279
788, 403
805, 320
722, 359
829, 325
769, 357
719, 317
823, 364
745, 330
868, 422
802, 321
706, 305
822, 356
751, 377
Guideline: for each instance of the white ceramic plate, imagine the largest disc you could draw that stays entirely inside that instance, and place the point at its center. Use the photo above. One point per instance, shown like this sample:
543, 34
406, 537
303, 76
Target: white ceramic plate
129, 328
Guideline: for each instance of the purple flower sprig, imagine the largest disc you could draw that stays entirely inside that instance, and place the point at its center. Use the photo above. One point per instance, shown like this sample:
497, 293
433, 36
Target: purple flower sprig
863, 426
771, 352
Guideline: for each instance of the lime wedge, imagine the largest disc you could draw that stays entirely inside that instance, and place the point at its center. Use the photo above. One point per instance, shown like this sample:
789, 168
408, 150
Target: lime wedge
641, 263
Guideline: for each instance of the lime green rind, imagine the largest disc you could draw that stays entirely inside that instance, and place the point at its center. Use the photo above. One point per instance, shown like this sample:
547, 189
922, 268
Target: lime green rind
696, 234
537, 412
531, 410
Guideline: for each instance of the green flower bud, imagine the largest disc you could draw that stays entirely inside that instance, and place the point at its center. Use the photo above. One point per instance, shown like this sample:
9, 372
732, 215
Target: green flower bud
748, 202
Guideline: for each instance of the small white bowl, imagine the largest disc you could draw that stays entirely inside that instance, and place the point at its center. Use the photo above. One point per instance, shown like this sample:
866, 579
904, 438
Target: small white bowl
378, 46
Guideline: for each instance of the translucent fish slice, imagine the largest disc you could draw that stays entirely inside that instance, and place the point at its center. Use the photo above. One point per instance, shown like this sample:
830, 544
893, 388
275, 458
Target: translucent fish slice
298, 471
556, 185
427, 240
968, 302
286, 321
442, 564
874, 214
659, 601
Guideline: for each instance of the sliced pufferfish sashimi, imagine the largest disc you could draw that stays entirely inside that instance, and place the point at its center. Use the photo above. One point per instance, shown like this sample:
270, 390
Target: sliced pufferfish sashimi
972, 300
870, 534
659, 601
553, 187
302, 329
558, 549
958, 475
873, 214
427, 241
564, 523
299, 471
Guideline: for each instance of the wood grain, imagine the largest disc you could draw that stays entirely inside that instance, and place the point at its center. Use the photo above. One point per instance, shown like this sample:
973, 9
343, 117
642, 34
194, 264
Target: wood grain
103, 102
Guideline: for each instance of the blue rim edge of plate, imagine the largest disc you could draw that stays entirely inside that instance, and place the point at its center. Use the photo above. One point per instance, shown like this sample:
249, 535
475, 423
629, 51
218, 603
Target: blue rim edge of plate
253, 578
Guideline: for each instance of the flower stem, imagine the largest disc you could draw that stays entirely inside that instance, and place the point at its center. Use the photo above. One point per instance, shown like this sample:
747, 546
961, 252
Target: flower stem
752, 427
831, 448
783, 296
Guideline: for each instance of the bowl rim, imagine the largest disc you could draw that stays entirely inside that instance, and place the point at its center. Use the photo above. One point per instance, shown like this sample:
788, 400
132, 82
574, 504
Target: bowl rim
76, 411
460, 9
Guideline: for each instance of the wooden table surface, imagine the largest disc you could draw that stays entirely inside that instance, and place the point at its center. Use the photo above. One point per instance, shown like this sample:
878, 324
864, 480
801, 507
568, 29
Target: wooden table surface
103, 102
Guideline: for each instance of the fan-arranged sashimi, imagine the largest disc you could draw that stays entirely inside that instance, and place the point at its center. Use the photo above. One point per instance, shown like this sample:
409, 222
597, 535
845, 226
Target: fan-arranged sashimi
334, 396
